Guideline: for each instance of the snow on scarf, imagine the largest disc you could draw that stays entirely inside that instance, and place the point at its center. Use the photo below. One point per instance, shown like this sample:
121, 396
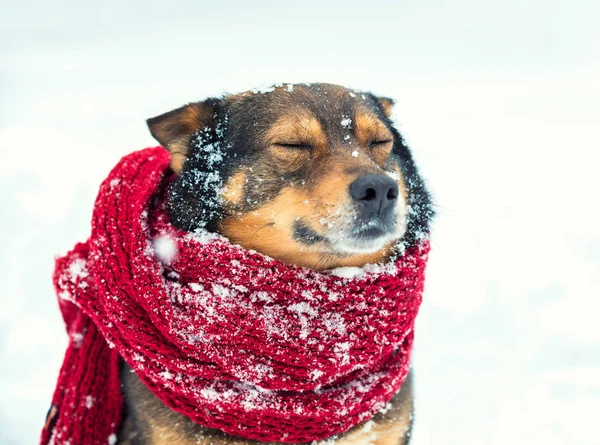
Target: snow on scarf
228, 337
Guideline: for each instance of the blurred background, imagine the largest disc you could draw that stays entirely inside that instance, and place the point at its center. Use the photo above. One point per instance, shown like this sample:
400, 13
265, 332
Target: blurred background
500, 102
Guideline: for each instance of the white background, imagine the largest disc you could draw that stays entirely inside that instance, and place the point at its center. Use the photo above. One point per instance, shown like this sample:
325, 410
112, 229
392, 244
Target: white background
500, 102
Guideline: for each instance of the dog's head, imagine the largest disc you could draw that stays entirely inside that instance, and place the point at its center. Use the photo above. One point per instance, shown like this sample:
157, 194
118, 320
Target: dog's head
314, 175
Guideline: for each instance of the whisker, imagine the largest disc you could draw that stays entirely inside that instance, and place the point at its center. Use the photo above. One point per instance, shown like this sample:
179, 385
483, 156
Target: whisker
444, 208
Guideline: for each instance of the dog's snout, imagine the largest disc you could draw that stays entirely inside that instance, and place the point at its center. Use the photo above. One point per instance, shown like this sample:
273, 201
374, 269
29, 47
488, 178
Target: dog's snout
374, 193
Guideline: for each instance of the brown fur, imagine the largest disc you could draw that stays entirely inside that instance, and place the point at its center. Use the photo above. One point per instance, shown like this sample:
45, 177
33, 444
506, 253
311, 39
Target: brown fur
260, 230
371, 133
333, 168
301, 128
304, 166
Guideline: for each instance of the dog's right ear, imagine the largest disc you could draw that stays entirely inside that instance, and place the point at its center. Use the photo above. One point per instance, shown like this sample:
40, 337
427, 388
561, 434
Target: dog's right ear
174, 130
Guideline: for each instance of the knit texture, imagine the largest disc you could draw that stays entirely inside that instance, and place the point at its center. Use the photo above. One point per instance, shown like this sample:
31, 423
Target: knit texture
228, 337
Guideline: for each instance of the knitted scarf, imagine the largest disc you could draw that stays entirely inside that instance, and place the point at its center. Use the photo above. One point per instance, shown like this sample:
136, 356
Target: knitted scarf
228, 337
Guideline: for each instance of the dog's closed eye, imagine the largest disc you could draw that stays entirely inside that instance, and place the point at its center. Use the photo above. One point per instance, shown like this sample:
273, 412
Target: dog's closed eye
293, 145
379, 143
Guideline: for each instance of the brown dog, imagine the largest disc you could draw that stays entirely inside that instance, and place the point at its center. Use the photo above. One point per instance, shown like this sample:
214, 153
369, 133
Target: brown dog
314, 175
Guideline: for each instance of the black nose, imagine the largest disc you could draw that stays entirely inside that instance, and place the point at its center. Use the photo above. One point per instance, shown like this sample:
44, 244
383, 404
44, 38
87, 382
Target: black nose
374, 193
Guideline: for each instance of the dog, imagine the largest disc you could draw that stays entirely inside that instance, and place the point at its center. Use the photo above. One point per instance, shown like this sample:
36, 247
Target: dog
314, 175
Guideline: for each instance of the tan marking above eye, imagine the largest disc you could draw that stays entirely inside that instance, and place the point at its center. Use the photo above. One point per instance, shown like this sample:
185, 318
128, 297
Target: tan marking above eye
290, 158
381, 152
300, 128
374, 135
369, 128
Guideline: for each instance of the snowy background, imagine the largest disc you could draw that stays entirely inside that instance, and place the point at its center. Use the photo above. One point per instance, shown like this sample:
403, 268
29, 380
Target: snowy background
500, 102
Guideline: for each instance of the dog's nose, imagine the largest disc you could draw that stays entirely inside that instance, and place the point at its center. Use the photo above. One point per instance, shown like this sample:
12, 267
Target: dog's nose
374, 193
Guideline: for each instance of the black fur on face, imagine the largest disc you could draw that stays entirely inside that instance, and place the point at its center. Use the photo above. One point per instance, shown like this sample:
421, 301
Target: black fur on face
231, 137
194, 199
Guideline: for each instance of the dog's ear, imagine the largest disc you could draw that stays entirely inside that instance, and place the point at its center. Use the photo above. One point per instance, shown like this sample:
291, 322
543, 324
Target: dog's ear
174, 130
386, 104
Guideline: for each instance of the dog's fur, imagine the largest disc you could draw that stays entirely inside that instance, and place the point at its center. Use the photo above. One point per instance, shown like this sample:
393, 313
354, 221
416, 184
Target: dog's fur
272, 171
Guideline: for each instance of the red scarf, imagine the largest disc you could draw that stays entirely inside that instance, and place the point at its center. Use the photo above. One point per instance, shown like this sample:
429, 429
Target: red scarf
228, 337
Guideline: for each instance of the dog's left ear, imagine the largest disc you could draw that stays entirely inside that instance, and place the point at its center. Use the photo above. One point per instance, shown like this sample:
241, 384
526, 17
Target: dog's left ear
386, 105
174, 130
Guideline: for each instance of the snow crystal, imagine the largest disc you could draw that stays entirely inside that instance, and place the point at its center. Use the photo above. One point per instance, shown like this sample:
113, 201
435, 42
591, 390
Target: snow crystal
78, 268
393, 175
368, 426
346, 122
333, 296
381, 269
89, 402
202, 236
114, 182
290, 87
346, 137
196, 287
355, 154
352, 94
166, 248
144, 219
302, 308
315, 374
65, 295
386, 408
166, 375
240, 288
221, 291
347, 272
112, 439
262, 89
307, 294
335, 322
341, 349
77, 338
210, 394
262, 296
262, 370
